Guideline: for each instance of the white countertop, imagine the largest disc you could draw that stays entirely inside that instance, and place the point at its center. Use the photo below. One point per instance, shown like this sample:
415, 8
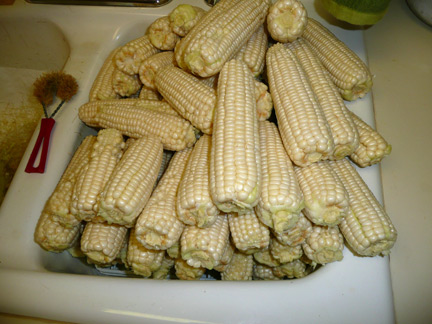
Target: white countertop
400, 56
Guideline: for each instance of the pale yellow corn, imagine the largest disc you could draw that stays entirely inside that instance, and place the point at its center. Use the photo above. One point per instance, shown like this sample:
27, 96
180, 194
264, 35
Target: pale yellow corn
138, 117
102, 87
174, 250
166, 158
54, 236
296, 235
226, 257
125, 85
106, 153
219, 35
150, 66
284, 253
194, 203
184, 271
122, 255
58, 204
102, 242
263, 272
130, 56
149, 94
344, 132
204, 247
295, 269
253, 52
184, 17
286, 20
325, 244
264, 102
239, 268
163, 271
304, 130
347, 70
326, 200
161, 34
281, 199
131, 183
266, 258
235, 163
142, 260
248, 233
367, 228
372, 148
158, 226
192, 99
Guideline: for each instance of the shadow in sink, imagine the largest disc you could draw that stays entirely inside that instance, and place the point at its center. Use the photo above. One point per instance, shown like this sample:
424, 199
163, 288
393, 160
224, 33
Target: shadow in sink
28, 48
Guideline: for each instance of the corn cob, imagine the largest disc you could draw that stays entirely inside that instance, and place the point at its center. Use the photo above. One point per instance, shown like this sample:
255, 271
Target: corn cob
344, 132
281, 200
284, 253
296, 235
131, 182
58, 204
102, 242
192, 99
264, 102
295, 269
324, 245
174, 250
122, 255
150, 66
125, 85
263, 272
186, 272
253, 52
53, 236
326, 200
148, 94
142, 260
219, 35
194, 203
347, 70
367, 228
102, 87
137, 118
266, 258
184, 17
235, 164
157, 226
129, 57
303, 127
204, 247
163, 271
226, 257
106, 153
286, 20
248, 233
161, 34
239, 268
373, 147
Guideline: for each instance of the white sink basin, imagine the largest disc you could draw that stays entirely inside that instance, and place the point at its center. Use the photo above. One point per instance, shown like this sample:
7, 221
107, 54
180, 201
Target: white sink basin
56, 286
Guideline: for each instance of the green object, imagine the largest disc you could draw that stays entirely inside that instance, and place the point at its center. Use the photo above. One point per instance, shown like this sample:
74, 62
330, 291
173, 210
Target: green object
357, 12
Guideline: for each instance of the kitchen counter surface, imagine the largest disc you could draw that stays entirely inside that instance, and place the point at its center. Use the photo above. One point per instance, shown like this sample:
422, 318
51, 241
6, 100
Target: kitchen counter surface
400, 56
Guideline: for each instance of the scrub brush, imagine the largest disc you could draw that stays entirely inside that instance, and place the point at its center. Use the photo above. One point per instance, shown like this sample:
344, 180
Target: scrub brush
46, 87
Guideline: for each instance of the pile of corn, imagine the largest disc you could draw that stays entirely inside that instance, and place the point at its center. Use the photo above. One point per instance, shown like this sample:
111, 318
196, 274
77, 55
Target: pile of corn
187, 174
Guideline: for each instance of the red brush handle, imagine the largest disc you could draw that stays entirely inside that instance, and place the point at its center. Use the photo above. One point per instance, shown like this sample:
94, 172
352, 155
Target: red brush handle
43, 141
